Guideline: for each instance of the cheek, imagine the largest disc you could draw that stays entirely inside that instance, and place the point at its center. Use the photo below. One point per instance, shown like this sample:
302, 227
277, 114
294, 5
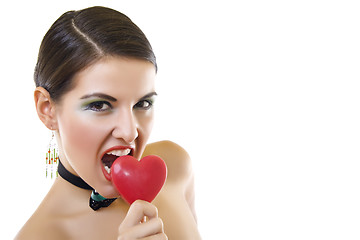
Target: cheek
145, 124
80, 138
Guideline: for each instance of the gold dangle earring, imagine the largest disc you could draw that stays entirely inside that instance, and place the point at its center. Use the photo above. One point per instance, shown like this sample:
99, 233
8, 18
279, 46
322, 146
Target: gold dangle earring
52, 158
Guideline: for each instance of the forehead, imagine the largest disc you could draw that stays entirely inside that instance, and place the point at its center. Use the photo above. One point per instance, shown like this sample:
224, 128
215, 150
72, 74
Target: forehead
118, 77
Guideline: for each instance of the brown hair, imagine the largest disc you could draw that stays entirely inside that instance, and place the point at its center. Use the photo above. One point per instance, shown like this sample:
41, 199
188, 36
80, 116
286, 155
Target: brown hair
80, 38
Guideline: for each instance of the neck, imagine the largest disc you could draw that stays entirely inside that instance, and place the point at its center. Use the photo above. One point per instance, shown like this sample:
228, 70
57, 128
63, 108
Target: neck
65, 199
71, 178
96, 201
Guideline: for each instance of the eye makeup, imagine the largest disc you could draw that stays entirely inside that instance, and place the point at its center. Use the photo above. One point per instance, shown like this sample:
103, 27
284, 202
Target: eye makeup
96, 105
99, 102
146, 102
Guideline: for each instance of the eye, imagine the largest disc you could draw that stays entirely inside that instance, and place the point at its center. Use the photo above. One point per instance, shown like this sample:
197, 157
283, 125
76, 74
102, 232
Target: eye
98, 106
144, 105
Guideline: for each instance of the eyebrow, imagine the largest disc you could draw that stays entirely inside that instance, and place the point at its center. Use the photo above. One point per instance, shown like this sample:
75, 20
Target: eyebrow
99, 95
149, 95
112, 99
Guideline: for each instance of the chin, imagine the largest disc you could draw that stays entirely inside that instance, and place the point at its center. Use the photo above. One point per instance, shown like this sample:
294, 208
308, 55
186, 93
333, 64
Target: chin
108, 191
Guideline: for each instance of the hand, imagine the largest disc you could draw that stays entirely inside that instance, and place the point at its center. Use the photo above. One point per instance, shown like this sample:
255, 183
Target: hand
142, 222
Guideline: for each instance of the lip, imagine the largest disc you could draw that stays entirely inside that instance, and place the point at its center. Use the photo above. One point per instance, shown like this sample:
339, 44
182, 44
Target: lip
106, 174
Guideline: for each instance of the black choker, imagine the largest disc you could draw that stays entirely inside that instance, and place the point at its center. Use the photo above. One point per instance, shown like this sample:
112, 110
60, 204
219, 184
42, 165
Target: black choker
71, 178
96, 200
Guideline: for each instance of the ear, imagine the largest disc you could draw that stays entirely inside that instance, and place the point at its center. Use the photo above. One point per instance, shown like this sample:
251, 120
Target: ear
45, 108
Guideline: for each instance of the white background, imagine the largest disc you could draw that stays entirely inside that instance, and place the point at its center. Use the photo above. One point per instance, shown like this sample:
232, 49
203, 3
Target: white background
264, 95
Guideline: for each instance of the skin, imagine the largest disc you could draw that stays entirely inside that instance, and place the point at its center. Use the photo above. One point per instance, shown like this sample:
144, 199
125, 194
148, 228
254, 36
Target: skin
110, 105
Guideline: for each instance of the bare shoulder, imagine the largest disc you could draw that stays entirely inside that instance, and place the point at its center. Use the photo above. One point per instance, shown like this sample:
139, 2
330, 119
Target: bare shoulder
38, 229
180, 174
176, 199
176, 158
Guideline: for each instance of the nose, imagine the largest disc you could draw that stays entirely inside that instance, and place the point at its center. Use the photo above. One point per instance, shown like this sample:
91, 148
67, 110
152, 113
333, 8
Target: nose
126, 127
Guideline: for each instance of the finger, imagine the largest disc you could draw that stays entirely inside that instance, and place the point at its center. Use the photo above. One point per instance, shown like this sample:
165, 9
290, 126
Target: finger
159, 236
136, 213
150, 228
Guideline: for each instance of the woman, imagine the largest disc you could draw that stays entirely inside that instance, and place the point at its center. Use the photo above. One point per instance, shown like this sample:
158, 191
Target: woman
95, 89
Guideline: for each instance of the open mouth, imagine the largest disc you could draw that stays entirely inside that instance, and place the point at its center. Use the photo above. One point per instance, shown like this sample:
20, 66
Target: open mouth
109, 158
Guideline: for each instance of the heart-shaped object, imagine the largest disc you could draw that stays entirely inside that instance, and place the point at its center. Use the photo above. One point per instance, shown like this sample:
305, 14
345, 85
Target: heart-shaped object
135, 179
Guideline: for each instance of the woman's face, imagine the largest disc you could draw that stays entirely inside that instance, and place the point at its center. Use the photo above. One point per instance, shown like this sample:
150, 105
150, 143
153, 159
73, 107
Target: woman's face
108, 113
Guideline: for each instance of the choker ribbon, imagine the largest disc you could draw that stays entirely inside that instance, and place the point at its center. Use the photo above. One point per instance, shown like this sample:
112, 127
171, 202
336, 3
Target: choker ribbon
96, 201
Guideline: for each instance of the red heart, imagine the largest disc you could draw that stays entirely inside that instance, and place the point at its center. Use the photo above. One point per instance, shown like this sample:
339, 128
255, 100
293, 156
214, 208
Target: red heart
135, 179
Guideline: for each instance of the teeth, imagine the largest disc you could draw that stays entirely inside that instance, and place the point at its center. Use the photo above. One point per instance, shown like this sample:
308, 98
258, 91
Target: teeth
107, 169
119, 153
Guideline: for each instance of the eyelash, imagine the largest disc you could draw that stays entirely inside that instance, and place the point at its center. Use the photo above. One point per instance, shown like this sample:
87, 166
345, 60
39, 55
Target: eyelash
148, 101
98, 106
94, 106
